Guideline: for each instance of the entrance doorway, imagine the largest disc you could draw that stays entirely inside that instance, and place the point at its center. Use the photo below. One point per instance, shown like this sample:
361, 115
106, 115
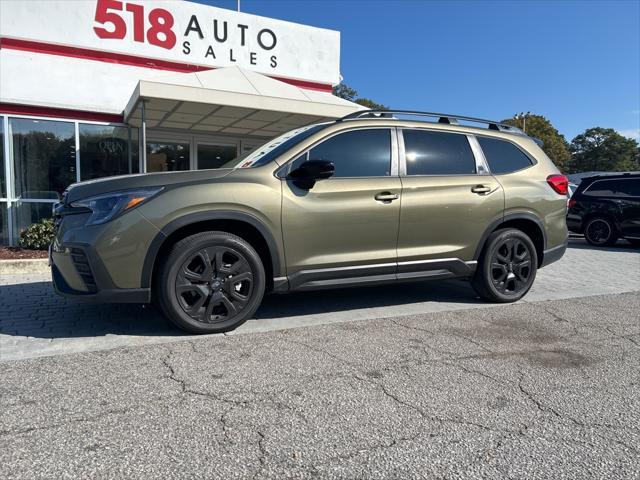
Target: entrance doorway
167, 151
168, 156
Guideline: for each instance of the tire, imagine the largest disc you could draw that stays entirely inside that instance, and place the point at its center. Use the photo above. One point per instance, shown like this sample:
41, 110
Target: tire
517, 258
208, 299
600, 232
634, 242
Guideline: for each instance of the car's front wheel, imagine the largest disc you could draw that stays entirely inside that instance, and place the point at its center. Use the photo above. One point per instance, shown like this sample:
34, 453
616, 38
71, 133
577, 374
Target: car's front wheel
507, 267
210, 282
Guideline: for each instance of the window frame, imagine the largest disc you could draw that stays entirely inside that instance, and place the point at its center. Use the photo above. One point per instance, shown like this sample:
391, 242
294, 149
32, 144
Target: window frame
282, 171
482, 168
532, 159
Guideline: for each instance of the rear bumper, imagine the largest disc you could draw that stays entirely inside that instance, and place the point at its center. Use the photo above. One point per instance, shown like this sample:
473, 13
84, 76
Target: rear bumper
574, 223
554, 254
77, 272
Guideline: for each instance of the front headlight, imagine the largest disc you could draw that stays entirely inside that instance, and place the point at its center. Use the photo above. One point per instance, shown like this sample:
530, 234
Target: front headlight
109, 205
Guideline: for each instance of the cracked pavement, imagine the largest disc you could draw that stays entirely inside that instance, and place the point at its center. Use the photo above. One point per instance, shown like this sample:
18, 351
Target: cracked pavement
546, 389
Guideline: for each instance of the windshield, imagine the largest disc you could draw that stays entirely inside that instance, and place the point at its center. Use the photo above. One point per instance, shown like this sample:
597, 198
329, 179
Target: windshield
273, 148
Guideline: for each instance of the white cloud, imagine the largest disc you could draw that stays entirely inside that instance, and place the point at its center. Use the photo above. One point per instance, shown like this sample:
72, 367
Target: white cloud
631, 133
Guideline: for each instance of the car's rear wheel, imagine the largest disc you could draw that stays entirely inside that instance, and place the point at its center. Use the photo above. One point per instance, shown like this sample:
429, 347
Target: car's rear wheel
507, 267
600, 232
210, 282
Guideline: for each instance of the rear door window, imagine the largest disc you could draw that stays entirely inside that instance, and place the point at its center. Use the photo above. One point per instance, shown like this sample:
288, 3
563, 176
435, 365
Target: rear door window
503, 157
614, 188
437, 153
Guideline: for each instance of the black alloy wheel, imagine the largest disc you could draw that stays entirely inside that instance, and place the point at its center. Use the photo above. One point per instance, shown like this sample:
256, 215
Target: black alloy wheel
210, 282
600, 232
507, 266
214, 284
511, 266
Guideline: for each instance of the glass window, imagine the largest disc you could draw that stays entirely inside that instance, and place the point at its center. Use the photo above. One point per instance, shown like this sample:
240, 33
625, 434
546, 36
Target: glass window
28, 213
271, 150
167, 156
4, 224
135, 151
3, 183
503, 157
630, 187
614, 188
438, 153
44, 154
215, 156
359, 153
104, 151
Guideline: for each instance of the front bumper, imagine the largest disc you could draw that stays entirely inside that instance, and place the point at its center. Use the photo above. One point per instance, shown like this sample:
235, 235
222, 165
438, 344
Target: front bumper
78, 272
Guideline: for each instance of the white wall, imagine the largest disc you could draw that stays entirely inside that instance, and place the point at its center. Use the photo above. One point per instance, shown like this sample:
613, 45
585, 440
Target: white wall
302, 52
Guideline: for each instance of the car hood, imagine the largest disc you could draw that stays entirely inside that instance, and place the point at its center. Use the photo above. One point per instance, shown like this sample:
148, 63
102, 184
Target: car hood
78, 191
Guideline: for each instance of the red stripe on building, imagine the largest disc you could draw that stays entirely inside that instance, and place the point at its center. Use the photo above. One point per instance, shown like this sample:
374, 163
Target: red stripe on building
131, 60
15, 109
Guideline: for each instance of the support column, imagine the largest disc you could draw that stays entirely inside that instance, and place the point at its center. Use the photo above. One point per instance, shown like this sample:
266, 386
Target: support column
143, 139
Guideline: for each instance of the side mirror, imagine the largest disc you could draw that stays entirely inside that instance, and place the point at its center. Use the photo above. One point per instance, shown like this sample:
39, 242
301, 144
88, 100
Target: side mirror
307, 174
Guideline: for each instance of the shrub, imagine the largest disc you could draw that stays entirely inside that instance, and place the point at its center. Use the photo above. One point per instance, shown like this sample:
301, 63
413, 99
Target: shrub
38, 236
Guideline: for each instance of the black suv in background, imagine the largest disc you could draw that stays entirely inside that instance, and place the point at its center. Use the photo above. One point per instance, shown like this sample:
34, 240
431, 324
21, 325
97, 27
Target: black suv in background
605, 208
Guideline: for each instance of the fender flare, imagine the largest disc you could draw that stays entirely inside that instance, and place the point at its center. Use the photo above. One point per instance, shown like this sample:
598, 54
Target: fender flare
191, 218
506, 218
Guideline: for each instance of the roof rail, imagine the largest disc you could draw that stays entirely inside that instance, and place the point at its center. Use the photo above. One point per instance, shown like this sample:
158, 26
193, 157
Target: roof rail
442, 118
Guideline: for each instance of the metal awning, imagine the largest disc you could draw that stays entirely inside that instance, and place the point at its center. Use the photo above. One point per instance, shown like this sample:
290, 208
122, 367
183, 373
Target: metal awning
230, 100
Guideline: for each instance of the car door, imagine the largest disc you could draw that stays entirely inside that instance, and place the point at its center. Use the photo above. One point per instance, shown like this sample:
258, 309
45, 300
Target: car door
345, 226
448, 201
626, 193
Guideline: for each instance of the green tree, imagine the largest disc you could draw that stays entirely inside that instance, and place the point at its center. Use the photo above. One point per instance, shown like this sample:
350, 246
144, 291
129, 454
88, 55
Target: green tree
365, 102
343, 90
604, 149
555, 145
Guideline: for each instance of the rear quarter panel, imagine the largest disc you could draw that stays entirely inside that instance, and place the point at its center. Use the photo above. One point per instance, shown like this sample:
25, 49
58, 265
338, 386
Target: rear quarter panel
527, 191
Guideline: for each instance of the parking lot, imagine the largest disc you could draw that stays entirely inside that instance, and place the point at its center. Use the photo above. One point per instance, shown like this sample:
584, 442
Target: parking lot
34, 321
414, 381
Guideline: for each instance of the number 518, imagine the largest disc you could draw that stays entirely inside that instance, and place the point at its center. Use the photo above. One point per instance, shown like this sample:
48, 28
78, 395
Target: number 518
159, 33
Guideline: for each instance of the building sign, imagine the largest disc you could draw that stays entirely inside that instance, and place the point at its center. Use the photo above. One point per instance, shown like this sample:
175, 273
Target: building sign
178, 31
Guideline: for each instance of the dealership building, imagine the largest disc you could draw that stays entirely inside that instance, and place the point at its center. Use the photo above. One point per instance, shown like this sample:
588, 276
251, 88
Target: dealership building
95, 88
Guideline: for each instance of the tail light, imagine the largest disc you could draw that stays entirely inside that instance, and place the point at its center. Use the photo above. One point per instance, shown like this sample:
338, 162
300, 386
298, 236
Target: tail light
571, 203
559, 183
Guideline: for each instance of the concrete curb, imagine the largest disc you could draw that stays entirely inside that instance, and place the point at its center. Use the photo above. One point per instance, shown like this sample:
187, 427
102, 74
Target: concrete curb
22, 266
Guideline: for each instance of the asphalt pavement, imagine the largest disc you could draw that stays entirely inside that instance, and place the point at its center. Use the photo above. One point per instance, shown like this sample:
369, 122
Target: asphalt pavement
34, 321
538, 389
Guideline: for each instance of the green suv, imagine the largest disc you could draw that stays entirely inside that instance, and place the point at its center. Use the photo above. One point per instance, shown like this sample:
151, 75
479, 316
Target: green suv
372, 198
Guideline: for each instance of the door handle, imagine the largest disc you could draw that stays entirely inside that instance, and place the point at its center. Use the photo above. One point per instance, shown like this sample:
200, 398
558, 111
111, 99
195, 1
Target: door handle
386, 197
481, 189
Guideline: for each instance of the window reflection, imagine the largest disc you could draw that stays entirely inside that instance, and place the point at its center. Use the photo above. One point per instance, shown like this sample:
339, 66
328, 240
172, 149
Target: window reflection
44, 155
3, 183
167, 156
104, 151
214, 156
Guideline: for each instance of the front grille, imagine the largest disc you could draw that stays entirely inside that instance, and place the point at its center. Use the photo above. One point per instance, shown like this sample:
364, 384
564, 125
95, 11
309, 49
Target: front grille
81, 263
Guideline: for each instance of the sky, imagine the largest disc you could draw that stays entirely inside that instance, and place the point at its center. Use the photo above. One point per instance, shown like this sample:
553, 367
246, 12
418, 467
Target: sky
577, 62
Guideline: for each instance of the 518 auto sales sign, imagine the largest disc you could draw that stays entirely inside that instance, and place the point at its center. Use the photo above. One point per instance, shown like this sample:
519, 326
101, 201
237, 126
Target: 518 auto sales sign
178, 31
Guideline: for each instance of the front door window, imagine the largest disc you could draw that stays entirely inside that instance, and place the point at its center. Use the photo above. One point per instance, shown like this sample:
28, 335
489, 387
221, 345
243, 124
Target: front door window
167, 156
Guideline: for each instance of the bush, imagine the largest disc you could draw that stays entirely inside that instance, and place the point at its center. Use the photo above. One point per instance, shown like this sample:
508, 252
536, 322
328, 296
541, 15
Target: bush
38, 236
